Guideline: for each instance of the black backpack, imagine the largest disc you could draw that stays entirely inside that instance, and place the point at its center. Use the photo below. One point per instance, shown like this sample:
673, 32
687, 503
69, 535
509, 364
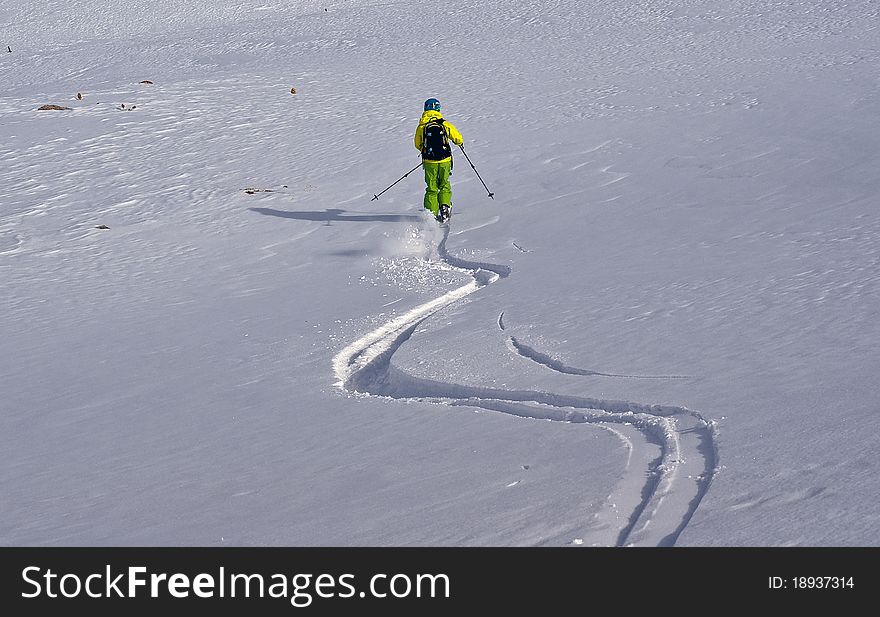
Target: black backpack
435, 143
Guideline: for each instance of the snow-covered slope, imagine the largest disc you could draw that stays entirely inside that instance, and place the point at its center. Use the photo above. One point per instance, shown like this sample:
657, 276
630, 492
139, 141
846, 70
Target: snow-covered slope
663, 329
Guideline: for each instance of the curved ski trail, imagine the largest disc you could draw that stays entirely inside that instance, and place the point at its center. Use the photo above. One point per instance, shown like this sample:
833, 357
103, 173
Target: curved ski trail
680, 456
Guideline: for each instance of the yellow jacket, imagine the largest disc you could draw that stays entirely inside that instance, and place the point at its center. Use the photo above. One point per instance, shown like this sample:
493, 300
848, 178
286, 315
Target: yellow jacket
452, 132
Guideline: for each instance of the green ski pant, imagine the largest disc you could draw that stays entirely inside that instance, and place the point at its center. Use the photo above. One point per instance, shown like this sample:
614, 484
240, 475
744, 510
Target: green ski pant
437, 188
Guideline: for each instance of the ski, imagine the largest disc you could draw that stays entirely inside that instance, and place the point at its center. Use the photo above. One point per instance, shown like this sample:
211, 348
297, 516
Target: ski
444, 214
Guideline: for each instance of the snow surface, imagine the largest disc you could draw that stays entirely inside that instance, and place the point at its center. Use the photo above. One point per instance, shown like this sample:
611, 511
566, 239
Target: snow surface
662, 330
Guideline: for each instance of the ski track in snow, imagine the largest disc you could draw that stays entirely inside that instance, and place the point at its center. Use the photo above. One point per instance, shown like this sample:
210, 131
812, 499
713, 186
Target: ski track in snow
681, 453
552, 363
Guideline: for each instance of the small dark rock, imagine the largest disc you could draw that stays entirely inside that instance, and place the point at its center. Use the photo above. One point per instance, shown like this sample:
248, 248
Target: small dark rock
251, 191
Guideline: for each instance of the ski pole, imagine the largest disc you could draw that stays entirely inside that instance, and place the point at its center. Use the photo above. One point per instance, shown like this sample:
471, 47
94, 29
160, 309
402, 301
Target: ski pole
375, 197
491, 194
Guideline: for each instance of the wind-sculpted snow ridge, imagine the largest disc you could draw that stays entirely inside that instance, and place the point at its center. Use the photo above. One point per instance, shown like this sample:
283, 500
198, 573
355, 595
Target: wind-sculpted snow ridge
642, 512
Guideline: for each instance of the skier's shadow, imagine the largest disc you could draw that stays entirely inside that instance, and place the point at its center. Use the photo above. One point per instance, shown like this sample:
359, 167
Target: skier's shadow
335, 214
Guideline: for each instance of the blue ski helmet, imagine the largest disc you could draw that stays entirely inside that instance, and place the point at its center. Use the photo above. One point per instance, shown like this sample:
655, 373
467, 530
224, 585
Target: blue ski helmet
432, 104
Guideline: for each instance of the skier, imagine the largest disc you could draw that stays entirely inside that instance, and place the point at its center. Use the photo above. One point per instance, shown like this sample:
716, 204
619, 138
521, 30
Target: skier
432, 139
